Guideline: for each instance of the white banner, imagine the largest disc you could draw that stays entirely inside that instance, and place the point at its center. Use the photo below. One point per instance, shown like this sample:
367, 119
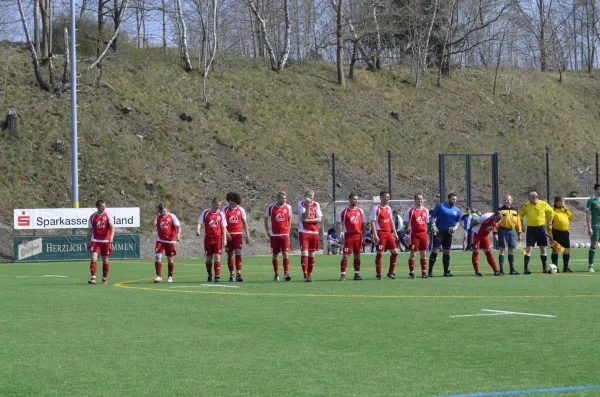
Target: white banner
71, 218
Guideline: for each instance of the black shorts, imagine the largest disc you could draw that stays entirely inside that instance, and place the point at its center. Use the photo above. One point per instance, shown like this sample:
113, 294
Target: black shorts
443, 239
562, 237
536, 235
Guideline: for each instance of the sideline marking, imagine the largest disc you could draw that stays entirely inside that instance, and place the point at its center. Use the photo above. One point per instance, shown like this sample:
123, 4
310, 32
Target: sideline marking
123, 284
501, 313
206, 285
46, 275
516, 392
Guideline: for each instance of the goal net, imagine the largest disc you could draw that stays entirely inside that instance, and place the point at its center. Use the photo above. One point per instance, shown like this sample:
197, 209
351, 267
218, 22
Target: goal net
578, 231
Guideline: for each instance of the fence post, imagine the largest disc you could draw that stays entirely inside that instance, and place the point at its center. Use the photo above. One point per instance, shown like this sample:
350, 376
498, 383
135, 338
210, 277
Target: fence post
469, 181
495, 182
333, 190
548, 174
597, 169
442, 175
390, 172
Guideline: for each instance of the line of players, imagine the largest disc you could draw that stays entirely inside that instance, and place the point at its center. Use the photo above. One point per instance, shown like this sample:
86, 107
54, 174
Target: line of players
225, 227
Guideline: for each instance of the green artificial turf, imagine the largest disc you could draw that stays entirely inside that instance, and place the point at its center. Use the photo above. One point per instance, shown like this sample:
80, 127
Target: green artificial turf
63, 337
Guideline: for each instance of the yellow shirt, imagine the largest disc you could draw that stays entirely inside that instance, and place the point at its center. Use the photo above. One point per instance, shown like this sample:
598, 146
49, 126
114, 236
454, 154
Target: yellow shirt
561, 219
536, 213
510, 219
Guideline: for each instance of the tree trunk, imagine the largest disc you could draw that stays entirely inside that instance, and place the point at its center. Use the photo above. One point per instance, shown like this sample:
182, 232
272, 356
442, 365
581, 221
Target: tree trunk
286, 47
164, 26
352, 62
498, 61
185, 53
66, 69
340, 44
265, 39
10, 124
36, 26
377, 38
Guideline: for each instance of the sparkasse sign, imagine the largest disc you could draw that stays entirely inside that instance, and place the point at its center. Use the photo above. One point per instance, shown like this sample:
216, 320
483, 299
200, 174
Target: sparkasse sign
69, 218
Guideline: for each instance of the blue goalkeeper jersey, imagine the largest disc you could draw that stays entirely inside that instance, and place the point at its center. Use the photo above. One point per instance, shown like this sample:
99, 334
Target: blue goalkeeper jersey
445, 216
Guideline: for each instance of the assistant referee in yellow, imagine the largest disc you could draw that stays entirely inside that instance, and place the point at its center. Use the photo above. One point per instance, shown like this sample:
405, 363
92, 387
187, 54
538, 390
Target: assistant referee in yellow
539, 218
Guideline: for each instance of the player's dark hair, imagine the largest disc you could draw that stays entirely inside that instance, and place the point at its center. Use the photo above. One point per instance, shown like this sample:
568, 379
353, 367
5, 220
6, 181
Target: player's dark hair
160, 207
497, 213
99, 201
352, 195
596, 186
451, 194
235, 197
418, 194
383, 192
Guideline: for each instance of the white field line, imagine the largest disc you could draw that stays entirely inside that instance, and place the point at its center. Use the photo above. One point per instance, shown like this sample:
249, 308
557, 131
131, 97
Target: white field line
46, 275
519, 313
206, 285
501, 313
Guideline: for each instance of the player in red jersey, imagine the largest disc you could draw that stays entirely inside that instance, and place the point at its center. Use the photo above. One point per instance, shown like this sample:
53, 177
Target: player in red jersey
415, 222
353, 221
310, 215
168, 232
215, 235
235, 216
480, 231
101, 232
280, 215
384, 234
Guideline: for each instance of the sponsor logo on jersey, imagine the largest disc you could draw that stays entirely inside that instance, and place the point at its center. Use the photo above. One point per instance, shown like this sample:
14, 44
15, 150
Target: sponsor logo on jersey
233, 219
281, 217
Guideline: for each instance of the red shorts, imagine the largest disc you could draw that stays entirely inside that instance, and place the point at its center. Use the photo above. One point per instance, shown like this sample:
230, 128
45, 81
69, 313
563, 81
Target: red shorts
309, 241
105, 249
352, 243
479, 242
419, 242
386, 241
235, 243
213, 245
280, 244
168, 248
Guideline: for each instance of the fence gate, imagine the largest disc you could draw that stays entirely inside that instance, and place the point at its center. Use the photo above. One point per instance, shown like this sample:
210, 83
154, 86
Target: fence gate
473, 177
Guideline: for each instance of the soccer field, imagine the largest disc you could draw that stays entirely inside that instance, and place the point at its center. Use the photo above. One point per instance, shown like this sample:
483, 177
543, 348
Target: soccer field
456, 336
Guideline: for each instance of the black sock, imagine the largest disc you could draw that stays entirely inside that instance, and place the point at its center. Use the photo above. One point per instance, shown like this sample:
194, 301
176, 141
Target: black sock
432, 258
566, 261
544, 258
526, 260
501, 262
554, 258
511, 262
446, 262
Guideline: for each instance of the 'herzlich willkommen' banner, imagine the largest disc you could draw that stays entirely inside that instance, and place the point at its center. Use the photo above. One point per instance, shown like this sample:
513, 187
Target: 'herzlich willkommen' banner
71, 248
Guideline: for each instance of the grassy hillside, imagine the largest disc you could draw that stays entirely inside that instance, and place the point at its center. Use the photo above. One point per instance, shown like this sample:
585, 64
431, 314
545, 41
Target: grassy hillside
295, 120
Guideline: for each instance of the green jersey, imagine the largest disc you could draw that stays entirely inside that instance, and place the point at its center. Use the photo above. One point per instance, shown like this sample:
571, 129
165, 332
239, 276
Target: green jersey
593, 206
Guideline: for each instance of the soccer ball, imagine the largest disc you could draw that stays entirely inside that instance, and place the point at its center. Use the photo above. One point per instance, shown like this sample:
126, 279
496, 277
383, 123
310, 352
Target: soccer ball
575, 245
552, 269
588, 245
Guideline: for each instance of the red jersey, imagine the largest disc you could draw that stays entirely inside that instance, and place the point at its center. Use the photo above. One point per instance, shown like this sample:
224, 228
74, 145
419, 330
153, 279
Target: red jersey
352, 219
417, 220
313, 212
234, 217
166, 228
215, 223
382, 217
100, 225
280, 219
485, 225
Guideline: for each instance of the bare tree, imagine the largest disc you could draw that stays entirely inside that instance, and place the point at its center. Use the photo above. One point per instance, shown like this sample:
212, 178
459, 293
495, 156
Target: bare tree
544, 20
277, 63
183, 45
51, 85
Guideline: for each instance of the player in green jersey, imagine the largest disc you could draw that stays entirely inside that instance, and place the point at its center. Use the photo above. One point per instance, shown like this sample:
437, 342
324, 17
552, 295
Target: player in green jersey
592, 218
